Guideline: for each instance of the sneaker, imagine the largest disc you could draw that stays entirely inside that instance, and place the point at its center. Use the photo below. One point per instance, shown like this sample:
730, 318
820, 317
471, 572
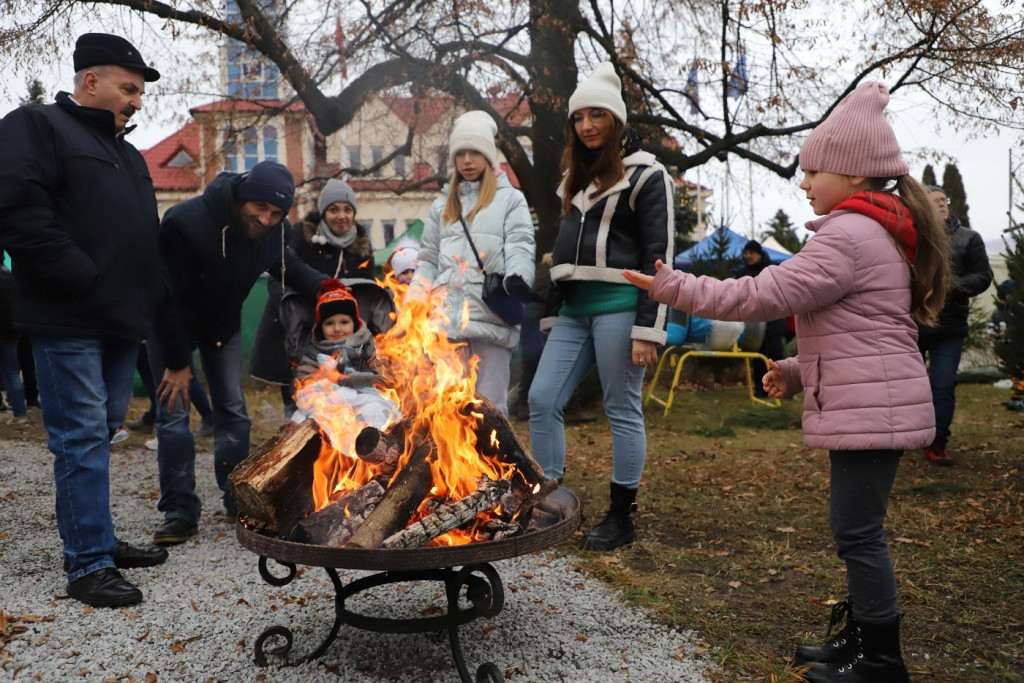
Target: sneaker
1015, 404
140, 425
205, 430
153, 444
120, 435
936, 455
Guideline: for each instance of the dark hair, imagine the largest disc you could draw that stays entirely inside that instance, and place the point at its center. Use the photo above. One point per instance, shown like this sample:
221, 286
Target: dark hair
604, 172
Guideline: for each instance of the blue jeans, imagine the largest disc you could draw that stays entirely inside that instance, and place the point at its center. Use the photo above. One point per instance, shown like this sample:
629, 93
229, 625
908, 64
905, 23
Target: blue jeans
943, 357
176, 452
84, 389
11, 372
574, 346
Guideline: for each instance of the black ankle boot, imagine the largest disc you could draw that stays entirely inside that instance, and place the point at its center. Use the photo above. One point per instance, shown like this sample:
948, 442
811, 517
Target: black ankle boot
835, 646
616, 529
873, 656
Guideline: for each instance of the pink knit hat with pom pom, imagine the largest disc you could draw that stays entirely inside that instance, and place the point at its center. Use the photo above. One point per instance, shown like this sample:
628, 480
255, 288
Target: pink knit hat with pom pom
855, 139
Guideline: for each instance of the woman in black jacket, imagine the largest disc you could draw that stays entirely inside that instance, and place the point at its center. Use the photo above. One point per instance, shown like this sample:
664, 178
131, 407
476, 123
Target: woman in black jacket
617, 213
331, 241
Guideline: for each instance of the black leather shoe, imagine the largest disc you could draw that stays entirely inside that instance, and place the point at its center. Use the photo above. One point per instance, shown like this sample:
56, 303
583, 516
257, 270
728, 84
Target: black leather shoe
129, 557
175, 531
104, 588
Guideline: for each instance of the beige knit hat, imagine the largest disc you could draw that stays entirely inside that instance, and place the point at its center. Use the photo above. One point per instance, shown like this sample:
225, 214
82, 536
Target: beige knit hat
855, 139
474, 130
601, 89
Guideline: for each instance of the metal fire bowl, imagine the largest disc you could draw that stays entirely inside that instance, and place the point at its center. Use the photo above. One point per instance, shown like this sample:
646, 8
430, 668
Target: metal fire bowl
560, 513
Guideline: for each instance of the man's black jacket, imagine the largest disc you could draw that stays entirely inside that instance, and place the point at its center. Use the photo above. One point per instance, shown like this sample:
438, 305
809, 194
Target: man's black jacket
970, 275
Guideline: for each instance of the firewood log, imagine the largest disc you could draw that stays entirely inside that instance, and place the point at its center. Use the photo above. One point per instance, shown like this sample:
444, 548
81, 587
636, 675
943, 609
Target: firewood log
450, 516
273, 487
334, 524
382, 448
410, 486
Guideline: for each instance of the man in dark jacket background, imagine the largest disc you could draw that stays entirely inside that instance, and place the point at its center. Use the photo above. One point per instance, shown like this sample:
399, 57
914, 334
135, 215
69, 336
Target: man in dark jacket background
756, 259
942, 344
79, 219
214, 248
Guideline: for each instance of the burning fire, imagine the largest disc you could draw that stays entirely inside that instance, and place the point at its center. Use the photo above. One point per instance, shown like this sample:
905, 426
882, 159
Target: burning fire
427, 379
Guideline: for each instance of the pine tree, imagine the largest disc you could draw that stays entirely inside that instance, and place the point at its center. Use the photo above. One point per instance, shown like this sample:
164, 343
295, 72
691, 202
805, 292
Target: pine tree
685, 219
784, 232
716, 262
928, 176
1011, 352
36, 92
953, 185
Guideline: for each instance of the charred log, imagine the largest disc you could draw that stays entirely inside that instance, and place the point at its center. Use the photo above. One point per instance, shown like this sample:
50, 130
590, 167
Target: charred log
451, 516
336, 522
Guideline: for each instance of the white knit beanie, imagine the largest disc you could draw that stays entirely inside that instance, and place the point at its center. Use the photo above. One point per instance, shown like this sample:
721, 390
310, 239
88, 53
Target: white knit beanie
601, 89
474, 130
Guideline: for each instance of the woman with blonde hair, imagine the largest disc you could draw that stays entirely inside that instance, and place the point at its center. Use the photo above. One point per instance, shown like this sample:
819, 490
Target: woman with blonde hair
479, 225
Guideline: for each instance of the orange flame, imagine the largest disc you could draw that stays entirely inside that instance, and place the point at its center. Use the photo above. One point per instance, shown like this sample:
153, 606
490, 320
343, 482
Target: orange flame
431, 380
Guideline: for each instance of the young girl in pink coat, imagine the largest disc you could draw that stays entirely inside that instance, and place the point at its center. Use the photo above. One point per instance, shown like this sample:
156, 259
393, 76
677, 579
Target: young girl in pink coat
876, 264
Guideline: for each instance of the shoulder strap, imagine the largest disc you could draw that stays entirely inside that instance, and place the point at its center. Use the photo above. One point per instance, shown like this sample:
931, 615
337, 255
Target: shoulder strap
465, 228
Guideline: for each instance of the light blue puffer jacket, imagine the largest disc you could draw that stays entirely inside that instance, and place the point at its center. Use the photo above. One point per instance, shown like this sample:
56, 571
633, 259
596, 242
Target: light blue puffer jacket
504, 236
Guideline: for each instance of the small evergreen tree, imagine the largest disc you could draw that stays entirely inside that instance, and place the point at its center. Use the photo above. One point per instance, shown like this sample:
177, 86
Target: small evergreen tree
686, 219
716, 262
1011, 352
953, 185
784, 232
928, 176
36, 92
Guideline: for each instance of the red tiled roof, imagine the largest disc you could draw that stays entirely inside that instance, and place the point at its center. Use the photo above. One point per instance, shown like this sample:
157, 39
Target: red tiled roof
430, 109
174, 177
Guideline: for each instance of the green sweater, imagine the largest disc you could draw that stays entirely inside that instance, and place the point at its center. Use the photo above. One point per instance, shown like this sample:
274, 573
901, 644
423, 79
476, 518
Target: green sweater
587, 298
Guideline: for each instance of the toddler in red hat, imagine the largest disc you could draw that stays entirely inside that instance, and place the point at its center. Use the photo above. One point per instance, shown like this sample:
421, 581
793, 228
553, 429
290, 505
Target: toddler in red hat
338, 333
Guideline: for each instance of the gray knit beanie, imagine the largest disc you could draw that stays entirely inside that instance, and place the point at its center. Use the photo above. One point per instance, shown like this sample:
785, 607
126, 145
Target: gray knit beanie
335, 191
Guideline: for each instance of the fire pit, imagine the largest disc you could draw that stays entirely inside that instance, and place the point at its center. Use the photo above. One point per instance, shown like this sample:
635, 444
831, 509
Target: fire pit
554, 518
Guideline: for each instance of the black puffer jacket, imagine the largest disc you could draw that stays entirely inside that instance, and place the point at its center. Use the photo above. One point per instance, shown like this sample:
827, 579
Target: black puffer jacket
211, 265
355, 261
629, 226
971, 275
80, 222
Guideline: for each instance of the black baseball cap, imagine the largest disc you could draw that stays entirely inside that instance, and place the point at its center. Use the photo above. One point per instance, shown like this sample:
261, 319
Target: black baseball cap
98, 49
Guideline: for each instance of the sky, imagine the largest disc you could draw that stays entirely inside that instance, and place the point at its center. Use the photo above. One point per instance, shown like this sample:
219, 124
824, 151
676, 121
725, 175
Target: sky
747, 200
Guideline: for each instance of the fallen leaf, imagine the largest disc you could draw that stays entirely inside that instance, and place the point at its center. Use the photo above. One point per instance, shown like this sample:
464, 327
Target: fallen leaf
735, 584
786, 529
582, 637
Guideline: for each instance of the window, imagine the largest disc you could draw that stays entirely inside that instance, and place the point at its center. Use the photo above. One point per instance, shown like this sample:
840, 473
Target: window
250, 148
400, 166
182, 158
389, 229
376, 156
354, 158
243, 149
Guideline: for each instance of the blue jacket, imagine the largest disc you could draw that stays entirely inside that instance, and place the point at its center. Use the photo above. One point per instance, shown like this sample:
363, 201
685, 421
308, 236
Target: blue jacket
79, 219
211, 265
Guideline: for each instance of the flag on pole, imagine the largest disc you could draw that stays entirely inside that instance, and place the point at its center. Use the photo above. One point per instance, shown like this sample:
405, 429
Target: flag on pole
339, 42
691, 88
737, 87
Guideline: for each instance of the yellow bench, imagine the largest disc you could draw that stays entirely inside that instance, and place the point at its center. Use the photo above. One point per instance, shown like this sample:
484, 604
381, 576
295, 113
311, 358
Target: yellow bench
675, 356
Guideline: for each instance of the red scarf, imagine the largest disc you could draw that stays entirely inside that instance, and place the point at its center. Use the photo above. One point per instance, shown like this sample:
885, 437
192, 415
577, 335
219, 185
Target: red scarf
887, 209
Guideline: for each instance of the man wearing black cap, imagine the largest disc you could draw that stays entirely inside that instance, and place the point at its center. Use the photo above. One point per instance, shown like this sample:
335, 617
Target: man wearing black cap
80, 221
214, 248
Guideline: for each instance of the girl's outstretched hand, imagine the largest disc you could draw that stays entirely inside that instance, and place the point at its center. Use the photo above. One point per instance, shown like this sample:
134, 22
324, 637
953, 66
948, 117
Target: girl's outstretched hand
773, 382
635, 277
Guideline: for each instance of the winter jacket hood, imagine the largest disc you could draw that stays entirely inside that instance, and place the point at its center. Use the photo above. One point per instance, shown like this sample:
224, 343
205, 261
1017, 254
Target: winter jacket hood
862, 376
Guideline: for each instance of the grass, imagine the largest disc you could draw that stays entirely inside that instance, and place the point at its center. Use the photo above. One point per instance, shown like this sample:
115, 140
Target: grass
734, 543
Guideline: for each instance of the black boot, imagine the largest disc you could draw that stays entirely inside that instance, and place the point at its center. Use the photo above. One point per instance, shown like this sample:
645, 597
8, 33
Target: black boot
835, 646
616, 529
873, 656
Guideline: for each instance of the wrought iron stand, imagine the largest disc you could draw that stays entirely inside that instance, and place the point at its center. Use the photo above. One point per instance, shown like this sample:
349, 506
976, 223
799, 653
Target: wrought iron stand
484, 590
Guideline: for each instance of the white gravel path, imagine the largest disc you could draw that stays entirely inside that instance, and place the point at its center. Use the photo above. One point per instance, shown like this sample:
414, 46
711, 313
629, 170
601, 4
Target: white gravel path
205, 607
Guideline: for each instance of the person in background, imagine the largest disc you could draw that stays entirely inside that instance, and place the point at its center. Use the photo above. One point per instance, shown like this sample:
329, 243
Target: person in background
756, 259
402, 263
338, 332
196, 395
497, 218
80, 222
214, 248
333, 242
1005, 292
9, 371
941, 344
616, 214
876, 265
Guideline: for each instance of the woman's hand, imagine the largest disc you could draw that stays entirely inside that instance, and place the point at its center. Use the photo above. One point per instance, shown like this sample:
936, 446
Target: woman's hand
635, 277
644, 353
773, 382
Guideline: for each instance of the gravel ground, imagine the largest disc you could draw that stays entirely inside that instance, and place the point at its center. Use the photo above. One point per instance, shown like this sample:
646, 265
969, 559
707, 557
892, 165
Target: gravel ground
205, 607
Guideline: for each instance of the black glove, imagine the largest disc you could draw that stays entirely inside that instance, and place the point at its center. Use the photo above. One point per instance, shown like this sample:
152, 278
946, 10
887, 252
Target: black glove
517, 287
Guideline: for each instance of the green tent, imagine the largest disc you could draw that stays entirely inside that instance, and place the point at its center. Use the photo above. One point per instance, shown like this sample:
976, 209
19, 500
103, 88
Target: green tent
414, 232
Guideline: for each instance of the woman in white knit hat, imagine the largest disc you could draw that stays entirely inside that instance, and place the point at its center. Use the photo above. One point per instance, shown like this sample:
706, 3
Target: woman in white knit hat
498, 222
616, 210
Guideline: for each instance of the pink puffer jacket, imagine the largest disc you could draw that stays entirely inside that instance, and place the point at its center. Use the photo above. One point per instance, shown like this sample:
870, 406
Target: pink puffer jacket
864, 382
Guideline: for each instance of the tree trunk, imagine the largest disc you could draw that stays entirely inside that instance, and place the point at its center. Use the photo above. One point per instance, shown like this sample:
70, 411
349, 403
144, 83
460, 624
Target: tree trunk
273, 487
